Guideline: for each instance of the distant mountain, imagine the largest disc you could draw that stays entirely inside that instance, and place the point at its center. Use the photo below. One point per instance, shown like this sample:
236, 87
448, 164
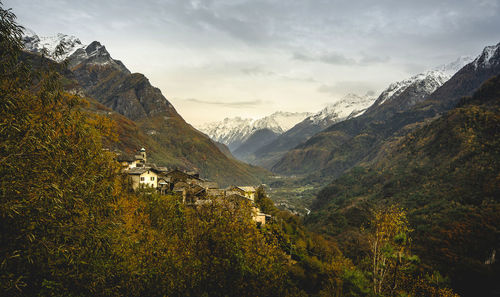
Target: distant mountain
350, 106
148, 118
234, 131
423, 97
257, 140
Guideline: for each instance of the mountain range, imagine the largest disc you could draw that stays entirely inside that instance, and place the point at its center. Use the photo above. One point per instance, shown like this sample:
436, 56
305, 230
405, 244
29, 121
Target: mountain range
350, 106
144, 117
267, 147
445, 174
429, 144
233, 132
347, 143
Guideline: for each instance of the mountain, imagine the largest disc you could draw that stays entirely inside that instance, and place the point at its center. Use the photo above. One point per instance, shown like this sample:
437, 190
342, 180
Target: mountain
398, 109
64, 45
445, 174
257, 140
349, 106
234, 131
147, 118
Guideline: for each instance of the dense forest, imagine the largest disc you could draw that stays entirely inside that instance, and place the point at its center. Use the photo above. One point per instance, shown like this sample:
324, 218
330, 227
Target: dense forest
72, 226
446, 175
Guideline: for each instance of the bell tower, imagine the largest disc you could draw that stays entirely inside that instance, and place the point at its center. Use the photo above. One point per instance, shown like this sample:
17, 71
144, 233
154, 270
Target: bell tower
143, 154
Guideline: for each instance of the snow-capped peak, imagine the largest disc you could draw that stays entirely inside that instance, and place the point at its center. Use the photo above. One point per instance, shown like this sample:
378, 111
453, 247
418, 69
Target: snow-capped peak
489, 57
283, 120
58, 47
62, 47
351, 105
234, 131
451, 68
426, 82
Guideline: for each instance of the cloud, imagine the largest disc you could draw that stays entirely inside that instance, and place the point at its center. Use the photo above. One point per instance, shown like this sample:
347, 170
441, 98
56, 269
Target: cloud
370, 60
257, 71
234, 104
343, 87
339, 59
328, 58
282, 50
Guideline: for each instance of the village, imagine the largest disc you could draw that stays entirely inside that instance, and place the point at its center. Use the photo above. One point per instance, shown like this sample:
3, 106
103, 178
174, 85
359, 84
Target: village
188, 185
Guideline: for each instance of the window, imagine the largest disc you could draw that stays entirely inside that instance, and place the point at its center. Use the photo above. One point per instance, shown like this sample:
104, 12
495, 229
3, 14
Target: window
152, 178
142, 178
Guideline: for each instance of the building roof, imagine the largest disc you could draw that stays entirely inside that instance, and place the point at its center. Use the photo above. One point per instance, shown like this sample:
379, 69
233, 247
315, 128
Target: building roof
243, 188
247, 189
141, 170
179, 186
236, 196
137, 170
161, 168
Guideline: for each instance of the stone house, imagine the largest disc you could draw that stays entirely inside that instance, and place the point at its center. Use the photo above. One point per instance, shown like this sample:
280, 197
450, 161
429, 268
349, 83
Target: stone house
144, 176
246, 191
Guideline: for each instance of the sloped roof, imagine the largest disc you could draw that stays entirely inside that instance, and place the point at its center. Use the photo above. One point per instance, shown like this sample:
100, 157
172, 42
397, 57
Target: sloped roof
243, 188
141, 170
247, 189
137, 170
179, 186
236, 196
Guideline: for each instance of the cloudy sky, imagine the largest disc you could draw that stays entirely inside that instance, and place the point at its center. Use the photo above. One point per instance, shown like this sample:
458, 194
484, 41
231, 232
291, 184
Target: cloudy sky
223, 58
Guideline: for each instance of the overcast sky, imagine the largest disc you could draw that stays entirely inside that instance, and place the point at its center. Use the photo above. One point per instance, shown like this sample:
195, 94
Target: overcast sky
223, 58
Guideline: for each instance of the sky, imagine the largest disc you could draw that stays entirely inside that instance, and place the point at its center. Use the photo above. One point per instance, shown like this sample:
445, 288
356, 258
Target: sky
223, 58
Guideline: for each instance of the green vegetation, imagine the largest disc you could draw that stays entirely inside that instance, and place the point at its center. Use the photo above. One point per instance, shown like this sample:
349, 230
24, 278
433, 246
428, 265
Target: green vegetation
71, 227
446, 175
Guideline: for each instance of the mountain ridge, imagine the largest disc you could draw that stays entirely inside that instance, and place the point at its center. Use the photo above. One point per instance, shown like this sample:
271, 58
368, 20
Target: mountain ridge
233, 132
445, 174
344, 144
349, 106
148, 116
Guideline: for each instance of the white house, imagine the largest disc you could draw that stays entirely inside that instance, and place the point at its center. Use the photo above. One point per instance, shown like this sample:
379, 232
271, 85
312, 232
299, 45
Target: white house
143, 176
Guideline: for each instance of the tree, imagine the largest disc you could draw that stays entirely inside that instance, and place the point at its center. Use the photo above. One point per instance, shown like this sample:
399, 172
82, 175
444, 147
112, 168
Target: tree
57, 184
389, 247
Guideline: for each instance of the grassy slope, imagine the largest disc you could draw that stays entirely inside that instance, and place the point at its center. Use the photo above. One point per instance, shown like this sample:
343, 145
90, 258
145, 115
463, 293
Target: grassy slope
447, 175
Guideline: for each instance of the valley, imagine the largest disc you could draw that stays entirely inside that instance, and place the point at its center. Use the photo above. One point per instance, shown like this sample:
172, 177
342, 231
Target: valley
339, 160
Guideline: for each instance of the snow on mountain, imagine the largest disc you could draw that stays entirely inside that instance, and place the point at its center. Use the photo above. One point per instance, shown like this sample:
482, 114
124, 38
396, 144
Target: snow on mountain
234, 131
424, 83
489, 57
62, 47
351, 105
451, 68
66, 44
284, 120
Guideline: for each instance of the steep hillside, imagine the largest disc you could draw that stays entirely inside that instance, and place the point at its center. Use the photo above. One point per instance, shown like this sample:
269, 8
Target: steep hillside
349, 106
353, 141
446, 174
149, 119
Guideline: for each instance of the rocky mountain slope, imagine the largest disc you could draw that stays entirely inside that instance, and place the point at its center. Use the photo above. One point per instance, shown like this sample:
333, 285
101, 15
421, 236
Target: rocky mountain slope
350, 106
257, 140
148, 119
445, 174
234, 131
397, 110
